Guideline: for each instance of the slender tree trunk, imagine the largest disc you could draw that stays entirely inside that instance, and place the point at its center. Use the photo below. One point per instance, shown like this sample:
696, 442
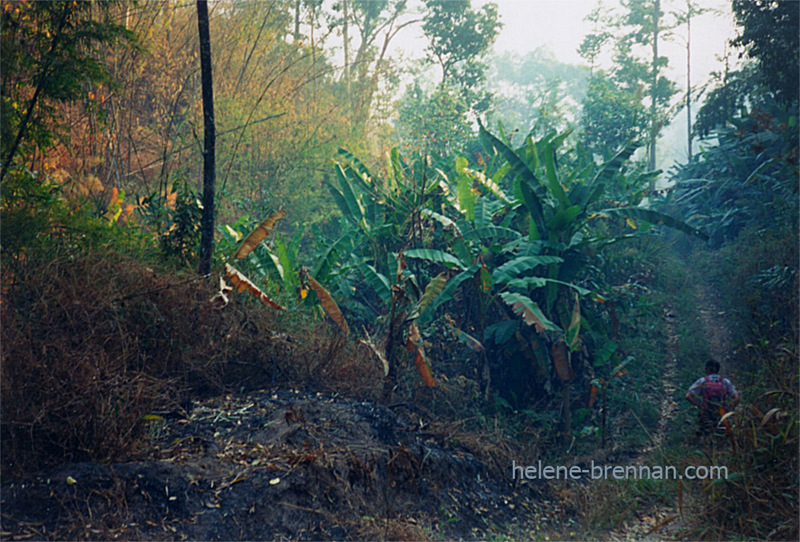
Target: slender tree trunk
296, 21
346, 39
43, 76
209, 142
689, 77
653, 87
313, 54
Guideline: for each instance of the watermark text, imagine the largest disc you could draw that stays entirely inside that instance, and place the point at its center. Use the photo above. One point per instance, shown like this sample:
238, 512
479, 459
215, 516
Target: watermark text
616, 472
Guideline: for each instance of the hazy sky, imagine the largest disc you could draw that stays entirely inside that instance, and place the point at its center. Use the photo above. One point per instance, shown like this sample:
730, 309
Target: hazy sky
529, 24
559, 26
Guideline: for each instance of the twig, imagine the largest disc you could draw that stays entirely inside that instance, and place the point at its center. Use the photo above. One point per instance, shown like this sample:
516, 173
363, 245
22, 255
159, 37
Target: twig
167, 287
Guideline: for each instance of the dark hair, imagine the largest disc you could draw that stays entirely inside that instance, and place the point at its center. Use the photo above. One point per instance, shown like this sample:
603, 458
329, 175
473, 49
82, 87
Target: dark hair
712, 366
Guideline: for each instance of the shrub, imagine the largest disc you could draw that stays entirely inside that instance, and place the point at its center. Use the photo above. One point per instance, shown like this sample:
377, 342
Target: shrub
96, 344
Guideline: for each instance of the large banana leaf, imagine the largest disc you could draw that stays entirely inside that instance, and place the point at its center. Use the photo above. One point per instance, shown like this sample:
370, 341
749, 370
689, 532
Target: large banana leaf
529, 311
490, 184
287, 258
531, 283
435, 256
269, 263
534, 206
432, 291
441, 219
466, 198
516, 267
349, 195
483, 217
395, 166
357, 164
333, 253
518, 166
563, 219
377, 281
654, 217
552, 176
606, 174
490, 232
258, 234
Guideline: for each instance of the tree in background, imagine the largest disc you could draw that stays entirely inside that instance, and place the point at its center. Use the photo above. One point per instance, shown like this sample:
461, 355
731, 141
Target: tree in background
611, 117
378, 23
685, 17
535, 92
769, 33
459, 38
766, 81
592, 45
637, 69
434, 122
51, 53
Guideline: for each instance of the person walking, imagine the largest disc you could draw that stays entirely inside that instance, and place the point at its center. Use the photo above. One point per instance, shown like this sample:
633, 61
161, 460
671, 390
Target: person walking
713, 395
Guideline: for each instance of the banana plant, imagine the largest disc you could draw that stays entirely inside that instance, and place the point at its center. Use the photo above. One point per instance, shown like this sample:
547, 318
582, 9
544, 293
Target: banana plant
562, 223
561, 217
518, 240
239, 280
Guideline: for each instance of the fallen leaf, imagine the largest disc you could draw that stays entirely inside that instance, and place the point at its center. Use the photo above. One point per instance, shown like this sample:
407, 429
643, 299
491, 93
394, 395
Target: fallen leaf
259, 234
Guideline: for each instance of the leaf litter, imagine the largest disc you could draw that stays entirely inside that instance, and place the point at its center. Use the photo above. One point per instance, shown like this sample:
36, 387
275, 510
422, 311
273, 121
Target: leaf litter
283, 465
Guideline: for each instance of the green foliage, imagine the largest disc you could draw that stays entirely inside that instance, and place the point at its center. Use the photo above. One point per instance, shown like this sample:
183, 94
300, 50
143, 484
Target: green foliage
768, 32
433, 122
535, 92
507, 230
182, 238
768, 35
38, 218
51, 51
730, 93
439, 121
459, 36
31, 210
749, 178
636, 74
611, 117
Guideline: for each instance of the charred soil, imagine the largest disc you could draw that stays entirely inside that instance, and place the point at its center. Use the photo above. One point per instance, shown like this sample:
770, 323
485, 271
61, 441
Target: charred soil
281, 465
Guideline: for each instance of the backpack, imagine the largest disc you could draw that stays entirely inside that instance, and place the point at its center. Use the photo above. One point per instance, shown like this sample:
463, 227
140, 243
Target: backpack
714, 394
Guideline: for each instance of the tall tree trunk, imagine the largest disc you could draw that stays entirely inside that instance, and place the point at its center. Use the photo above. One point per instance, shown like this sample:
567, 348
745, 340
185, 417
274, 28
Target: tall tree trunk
689, 77
346, 39
209, 141
653, 86
296, 21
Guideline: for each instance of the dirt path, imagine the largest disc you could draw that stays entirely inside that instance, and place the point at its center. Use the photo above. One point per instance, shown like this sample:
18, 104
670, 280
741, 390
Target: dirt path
668, 522
661, 523
714, 323
669, 381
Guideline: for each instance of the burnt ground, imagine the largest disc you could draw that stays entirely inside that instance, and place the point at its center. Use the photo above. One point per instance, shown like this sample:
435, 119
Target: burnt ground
276, 465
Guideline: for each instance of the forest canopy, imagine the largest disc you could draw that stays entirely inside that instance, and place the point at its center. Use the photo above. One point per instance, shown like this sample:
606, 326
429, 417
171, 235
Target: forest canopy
505, 229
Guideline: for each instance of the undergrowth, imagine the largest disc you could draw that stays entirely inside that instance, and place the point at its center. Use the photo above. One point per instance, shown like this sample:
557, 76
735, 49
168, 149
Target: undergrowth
97, 345
757, 278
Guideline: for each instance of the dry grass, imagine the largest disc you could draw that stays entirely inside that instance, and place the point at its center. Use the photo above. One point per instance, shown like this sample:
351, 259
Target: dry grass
759, 498
93, 344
